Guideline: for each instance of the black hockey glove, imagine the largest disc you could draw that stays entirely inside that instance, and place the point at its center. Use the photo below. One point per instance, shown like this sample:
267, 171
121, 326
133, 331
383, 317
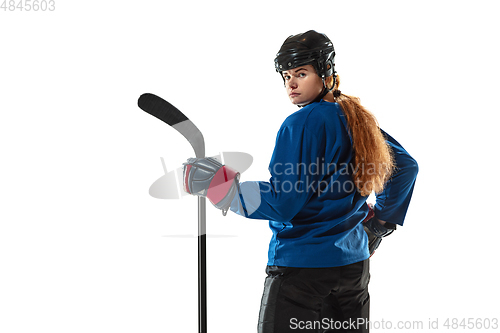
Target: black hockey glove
207, 177
376, 231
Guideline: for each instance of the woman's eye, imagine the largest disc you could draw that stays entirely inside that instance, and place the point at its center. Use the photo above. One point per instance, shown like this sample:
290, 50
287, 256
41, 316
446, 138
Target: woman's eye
302, 74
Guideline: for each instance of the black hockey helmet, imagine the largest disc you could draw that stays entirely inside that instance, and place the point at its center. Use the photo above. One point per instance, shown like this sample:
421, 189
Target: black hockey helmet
308, 48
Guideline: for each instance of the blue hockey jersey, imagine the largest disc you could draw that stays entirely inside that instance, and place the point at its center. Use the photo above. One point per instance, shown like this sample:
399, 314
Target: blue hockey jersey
314, 209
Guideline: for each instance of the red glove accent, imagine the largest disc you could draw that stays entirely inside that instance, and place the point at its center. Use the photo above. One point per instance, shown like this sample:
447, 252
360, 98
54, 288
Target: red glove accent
221, 184
371, 213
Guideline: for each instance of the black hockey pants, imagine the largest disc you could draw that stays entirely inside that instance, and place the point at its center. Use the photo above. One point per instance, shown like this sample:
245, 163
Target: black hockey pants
316, 300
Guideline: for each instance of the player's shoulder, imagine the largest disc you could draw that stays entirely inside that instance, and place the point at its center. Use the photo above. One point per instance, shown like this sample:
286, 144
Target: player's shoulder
314, 115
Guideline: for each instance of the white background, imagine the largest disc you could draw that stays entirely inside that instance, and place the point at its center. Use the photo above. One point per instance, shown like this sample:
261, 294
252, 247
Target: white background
84, 248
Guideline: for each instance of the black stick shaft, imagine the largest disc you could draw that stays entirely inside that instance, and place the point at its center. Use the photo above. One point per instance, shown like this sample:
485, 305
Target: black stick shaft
202, 266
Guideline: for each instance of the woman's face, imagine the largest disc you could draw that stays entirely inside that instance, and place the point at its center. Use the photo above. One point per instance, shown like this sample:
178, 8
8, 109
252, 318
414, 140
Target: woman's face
302, 84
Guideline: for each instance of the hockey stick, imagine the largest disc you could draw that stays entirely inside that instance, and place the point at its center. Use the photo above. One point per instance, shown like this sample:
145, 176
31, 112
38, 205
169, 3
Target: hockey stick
166, 112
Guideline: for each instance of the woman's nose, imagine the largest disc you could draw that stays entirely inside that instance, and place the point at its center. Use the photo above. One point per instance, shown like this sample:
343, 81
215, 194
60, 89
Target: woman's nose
292, 83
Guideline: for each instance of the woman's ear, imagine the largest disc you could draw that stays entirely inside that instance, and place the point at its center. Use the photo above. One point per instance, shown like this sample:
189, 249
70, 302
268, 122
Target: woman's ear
329, 82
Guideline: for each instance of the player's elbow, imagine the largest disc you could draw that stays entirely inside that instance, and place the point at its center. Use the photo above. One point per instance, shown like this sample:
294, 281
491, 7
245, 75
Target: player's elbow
408, 166
413, 167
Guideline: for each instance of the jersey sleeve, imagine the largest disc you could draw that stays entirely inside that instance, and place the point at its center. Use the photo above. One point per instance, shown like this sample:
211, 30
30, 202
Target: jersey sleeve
293, 181
392, 203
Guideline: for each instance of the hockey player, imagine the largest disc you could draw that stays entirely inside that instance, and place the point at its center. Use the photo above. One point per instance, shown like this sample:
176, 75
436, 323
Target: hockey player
328, 157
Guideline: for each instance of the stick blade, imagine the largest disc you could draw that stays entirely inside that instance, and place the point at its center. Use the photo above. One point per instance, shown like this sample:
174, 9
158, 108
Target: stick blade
166, 112
161, 109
